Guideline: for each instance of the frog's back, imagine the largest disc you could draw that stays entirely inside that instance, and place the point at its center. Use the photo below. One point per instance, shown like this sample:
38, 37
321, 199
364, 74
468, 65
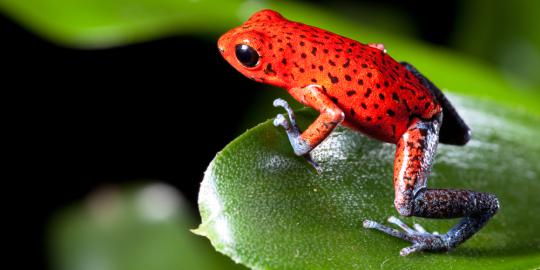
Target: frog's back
378, 95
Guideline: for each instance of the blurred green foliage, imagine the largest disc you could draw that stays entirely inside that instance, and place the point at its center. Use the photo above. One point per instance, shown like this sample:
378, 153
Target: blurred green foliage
106, 23
505, 34
129, 228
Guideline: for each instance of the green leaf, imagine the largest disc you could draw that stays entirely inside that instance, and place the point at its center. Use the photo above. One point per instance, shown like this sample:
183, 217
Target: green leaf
268, 209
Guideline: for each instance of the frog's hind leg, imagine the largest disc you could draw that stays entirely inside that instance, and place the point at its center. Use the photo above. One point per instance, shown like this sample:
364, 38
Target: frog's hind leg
453, 130
414, 156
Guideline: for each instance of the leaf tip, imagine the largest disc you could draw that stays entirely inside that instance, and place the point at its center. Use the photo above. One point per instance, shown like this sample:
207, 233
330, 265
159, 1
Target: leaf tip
201, 231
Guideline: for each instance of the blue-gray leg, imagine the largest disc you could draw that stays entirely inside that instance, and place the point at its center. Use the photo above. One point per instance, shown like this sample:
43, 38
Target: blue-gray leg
418, 236
477, 207
414, 155
293, 132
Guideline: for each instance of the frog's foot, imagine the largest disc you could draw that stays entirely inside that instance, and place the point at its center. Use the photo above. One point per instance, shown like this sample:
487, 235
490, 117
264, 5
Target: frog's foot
418, 236
300, 147
281, 121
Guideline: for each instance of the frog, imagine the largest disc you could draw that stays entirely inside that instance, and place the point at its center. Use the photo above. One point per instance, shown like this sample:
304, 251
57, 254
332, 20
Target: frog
361, 87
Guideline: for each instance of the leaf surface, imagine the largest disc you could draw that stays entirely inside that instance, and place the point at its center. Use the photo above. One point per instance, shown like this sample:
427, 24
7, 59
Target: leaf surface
268, 209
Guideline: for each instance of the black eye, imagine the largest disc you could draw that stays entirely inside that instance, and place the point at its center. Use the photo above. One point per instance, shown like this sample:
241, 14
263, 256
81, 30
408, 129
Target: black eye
247, 55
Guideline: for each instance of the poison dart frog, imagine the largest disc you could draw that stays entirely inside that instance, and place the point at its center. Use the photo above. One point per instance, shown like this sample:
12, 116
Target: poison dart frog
361, 87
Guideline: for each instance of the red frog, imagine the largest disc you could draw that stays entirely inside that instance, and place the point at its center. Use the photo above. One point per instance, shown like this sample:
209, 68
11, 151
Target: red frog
363, 88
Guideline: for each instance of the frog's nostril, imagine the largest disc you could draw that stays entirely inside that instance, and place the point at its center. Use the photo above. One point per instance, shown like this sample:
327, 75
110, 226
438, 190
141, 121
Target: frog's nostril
221, 49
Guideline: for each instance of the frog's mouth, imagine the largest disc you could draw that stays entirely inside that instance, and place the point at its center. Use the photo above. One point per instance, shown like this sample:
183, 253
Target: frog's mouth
221, 44
223, 41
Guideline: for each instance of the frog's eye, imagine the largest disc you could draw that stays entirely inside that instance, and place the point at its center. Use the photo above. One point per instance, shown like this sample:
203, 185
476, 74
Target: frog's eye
247, 55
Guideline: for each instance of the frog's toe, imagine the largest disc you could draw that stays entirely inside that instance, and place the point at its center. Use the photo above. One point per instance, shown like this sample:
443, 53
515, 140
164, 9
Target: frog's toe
426, 241
280, 103
280, 120
419, 228
292, 117
370, 224
414, 248
419, 237
315, 165
400, 224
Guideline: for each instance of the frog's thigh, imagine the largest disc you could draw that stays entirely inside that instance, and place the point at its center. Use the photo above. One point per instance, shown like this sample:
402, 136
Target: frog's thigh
454, 130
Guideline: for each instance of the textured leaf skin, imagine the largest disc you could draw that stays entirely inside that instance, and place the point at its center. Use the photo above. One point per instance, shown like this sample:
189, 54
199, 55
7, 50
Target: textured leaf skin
268, 209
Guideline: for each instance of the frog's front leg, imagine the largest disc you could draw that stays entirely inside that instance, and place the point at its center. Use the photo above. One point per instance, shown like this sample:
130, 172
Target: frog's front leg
414, 156
293, 131
330, 116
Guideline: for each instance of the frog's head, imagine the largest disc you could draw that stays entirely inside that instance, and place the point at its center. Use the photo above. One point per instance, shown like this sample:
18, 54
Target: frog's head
249, 48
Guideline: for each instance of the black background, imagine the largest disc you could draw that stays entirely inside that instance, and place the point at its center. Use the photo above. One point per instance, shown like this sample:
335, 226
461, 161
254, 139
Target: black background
79, 119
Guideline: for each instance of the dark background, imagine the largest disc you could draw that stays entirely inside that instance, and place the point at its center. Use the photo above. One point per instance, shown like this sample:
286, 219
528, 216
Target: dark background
158, 110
